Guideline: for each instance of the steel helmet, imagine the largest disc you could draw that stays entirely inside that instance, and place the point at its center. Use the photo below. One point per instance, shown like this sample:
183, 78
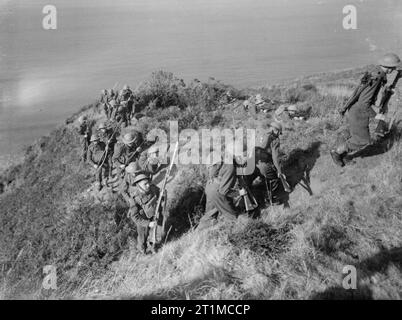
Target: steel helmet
276, 125
126, 87
140, 177
132, 168
132, 137
292, 108
389, 60
94, 137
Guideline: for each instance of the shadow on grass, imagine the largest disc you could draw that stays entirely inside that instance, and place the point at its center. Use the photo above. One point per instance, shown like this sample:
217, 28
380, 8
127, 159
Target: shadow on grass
378, 263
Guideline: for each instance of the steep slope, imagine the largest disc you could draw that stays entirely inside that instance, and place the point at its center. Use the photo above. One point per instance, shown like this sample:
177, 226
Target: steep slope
351, 215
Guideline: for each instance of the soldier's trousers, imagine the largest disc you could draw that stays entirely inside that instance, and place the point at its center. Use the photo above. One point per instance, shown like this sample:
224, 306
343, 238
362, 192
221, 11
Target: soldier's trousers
221, 203
358, 121
142, 237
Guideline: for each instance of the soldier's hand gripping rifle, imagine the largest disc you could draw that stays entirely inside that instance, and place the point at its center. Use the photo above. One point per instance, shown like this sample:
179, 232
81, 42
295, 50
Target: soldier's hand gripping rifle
382, 128
161, 194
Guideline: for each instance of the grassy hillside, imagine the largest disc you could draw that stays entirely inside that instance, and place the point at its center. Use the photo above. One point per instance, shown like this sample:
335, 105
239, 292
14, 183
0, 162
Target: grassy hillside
49, 213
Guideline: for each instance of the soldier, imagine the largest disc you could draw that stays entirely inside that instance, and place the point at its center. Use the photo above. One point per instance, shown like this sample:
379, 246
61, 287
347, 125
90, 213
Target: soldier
84, 131
290, 112
107, 134
103, 101
359, 110
126, 93
267, 164
218, 191
143, 201
120, 114
96, 154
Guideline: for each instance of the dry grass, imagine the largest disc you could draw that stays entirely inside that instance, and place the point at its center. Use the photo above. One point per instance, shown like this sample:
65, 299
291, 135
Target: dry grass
352, 217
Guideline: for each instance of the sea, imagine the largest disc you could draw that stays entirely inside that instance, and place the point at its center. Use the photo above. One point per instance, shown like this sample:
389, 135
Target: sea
48, 74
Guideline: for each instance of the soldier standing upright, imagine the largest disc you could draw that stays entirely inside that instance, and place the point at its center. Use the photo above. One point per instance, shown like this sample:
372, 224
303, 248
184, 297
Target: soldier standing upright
359, 110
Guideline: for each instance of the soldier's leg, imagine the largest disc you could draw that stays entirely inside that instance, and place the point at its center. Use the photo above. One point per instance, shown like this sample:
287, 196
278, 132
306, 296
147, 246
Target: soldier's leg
142, 235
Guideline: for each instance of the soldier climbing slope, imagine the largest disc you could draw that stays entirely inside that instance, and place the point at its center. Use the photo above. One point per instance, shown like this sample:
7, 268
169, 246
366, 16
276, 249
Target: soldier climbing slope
103, 102
267, 165
84, 131
107, 134
96, 154
359, 110
144, 197
125, 151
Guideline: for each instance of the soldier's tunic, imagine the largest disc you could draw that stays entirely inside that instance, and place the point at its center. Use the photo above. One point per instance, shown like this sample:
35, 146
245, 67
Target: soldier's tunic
142, 212
95, 155
360, 113
84, 131
222, 179
122, 154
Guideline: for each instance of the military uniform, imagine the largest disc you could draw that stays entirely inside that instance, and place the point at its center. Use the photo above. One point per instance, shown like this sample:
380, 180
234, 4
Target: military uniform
84, 131
142, 212
96, 151
360, 113
222, 179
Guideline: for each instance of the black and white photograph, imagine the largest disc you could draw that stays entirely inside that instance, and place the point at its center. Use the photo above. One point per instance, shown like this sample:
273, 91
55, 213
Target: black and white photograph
200, 156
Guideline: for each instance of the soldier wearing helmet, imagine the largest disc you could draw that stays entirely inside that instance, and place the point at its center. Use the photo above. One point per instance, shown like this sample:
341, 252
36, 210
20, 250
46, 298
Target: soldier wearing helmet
84, 130
359, 110
103, 101
267, 164
96, 154
143, 201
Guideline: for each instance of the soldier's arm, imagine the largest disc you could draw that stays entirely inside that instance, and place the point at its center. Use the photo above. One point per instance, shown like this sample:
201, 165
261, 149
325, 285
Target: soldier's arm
137, 215
369, 94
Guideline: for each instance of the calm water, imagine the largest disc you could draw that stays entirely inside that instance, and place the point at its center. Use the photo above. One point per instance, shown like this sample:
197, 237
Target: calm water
47, 75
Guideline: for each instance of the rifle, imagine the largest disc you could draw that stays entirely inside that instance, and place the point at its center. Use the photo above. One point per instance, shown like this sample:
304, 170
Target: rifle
364, 82
162, 192
383, 107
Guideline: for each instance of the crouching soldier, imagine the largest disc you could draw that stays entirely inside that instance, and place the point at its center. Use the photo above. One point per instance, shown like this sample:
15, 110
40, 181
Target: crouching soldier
96, 154
218, 191
84, 131
143, 205
359, 110
267, 164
